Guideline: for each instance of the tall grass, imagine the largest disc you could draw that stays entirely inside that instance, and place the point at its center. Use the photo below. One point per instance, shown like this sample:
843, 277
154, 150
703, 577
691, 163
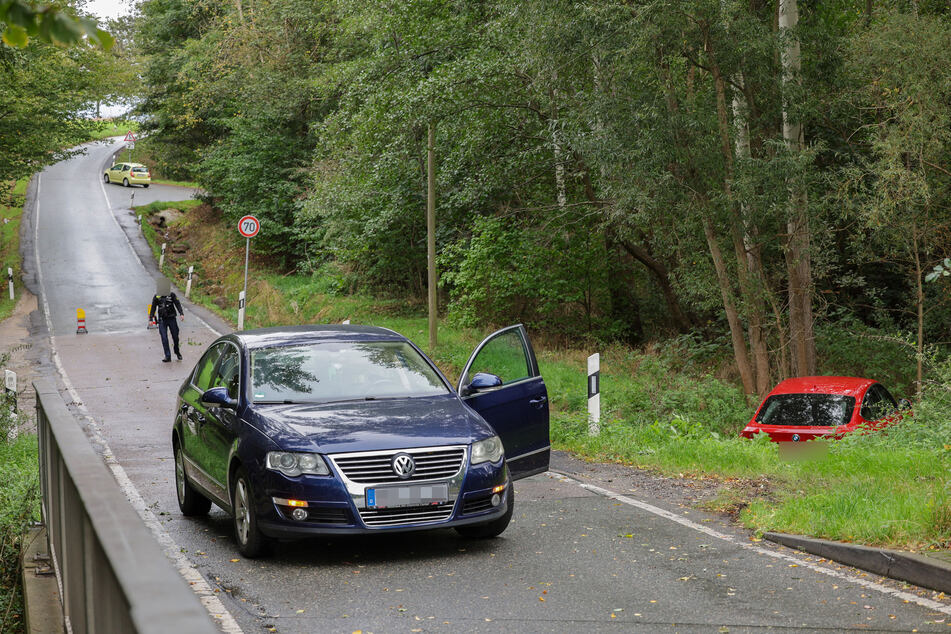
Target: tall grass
19, 505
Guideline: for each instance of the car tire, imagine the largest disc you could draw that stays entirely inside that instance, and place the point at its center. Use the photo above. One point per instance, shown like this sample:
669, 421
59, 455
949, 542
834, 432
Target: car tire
494, 528
125, 182
105, 179
190, 501
146, 185
251, 542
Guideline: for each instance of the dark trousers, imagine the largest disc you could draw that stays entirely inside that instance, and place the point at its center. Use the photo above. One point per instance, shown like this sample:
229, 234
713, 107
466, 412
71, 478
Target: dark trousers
163, 326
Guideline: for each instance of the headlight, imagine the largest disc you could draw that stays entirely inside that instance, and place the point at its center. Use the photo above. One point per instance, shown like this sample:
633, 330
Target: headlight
294, 464
488, 450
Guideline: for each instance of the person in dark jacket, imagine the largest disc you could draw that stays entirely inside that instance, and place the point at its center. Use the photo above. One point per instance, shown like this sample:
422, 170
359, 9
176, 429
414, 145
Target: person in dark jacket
166, 306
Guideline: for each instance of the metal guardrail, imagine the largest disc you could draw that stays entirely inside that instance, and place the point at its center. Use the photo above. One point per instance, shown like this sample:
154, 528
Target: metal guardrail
113, 576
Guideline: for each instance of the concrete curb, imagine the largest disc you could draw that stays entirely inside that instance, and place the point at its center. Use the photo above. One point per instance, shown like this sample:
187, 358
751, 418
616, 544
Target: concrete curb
41, 599
920, 570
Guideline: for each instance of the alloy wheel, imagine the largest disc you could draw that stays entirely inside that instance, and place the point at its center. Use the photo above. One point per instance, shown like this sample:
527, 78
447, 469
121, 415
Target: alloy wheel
242, 511
180, 475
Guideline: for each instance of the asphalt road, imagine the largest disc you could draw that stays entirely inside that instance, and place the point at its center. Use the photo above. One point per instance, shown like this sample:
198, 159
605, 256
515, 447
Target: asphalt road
573, 559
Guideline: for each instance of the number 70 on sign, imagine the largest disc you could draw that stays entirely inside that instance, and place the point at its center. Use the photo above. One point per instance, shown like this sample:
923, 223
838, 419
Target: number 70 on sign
249, 226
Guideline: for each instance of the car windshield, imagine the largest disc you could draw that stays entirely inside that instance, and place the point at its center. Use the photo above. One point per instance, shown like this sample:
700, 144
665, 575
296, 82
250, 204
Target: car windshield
341, 371
806, 410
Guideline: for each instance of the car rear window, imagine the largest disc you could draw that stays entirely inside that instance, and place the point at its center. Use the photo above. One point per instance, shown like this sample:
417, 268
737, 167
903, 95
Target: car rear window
806, 410
341, 371
140, 169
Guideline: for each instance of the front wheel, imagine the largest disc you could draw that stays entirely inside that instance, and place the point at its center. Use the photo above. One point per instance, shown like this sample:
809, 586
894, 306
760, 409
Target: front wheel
125, 182
190, 501
251, 542
495, 527
105, 179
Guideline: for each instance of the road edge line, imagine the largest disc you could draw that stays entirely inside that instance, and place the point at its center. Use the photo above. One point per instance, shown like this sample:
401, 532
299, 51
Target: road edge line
683, 521
186, 569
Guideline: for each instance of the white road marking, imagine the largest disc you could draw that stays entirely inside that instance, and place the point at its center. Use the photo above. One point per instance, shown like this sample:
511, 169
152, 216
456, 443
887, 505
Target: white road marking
706, 530
199, 585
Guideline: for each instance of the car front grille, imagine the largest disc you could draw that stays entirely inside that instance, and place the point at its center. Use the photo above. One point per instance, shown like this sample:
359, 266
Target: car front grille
408, 515
374, 467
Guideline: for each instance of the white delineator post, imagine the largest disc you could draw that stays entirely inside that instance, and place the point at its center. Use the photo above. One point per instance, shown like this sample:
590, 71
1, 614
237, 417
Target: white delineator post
594, 394
241, 310
161, 260
10, 280
10, 386
188, 284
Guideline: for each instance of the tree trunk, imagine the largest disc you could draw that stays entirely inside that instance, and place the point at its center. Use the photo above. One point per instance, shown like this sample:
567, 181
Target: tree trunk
726, 293
557, 147
662, 277
798, 262
745, 263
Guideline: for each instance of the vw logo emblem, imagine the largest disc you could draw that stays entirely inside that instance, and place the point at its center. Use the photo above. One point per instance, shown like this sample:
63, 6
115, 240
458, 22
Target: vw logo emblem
403, 465
795, 437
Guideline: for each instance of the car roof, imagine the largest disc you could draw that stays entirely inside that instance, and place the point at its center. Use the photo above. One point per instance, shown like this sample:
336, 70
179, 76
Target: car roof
287, 335
846, 385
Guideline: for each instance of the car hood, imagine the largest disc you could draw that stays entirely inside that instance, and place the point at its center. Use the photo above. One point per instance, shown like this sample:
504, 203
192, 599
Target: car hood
371, 425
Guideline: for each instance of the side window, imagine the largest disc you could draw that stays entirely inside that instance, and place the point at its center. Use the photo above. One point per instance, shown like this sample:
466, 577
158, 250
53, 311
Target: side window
877, 404
228, 373
204, 371
504, 356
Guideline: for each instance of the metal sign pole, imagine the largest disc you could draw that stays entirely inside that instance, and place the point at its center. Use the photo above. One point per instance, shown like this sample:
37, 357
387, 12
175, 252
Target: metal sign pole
244, 294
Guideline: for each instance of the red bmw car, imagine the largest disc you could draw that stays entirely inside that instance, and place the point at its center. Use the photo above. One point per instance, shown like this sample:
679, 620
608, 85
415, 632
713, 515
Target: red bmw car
814, 406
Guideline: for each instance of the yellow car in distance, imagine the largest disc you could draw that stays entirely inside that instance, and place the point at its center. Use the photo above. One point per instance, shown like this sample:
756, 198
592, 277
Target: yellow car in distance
128, 174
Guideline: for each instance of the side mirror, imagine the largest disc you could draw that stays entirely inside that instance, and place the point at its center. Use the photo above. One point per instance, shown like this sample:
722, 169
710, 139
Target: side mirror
219, 396
481, 381
904, 404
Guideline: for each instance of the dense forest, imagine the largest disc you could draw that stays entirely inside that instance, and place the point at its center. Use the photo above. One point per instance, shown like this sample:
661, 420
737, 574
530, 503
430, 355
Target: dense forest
771, 177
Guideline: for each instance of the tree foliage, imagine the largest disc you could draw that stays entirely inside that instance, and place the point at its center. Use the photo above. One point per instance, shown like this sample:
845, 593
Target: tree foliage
614, 168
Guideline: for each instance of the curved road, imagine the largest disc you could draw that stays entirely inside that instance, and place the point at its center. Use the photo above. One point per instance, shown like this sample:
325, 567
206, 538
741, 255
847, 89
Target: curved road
575, 558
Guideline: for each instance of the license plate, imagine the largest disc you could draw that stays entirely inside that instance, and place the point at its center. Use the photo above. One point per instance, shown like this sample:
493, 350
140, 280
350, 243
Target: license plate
413, 495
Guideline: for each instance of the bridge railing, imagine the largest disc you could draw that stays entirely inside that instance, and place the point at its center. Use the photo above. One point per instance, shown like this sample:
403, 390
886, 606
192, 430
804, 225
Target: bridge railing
113, 575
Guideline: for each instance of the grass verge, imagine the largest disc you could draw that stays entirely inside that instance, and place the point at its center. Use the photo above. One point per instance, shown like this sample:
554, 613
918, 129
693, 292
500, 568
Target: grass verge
19, 505
663, 408
10, 248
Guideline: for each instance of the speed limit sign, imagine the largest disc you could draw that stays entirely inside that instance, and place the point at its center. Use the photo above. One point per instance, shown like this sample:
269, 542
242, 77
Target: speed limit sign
249, 226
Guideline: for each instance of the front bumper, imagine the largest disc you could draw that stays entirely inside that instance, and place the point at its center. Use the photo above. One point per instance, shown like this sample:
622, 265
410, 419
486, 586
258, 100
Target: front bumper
337, 506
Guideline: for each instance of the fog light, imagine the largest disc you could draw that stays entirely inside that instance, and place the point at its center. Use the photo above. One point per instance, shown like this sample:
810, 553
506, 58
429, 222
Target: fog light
496, 499
299, 514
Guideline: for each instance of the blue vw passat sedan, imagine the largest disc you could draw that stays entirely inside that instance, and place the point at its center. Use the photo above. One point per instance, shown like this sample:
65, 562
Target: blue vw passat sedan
334, 429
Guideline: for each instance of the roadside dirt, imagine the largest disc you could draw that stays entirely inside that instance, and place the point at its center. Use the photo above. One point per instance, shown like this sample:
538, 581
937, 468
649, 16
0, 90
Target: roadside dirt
15, 344
643, 484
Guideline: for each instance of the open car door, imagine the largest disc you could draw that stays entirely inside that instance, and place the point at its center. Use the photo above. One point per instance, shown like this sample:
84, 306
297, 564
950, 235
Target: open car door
501, 381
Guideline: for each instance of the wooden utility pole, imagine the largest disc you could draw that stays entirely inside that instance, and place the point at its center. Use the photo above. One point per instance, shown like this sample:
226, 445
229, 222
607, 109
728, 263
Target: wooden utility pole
431, 234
